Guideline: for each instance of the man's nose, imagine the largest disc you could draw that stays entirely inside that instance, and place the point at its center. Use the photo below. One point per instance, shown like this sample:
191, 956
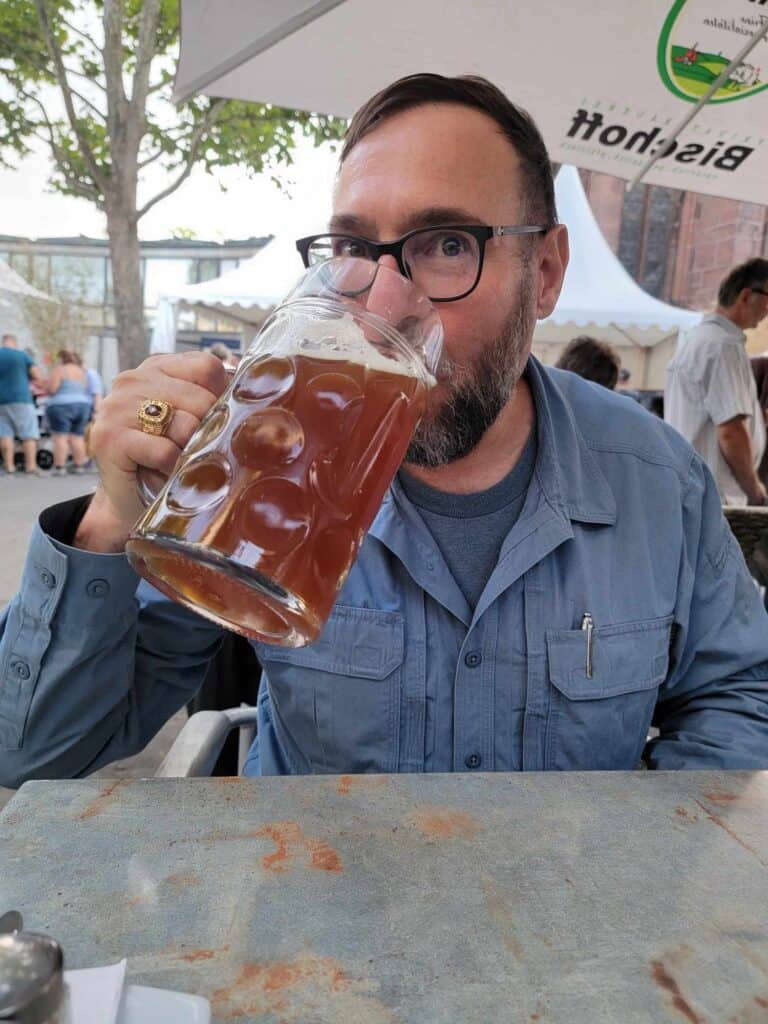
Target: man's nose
392, 296
389, 261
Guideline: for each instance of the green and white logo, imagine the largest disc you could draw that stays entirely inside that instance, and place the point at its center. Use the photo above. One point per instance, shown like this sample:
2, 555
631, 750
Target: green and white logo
698, 42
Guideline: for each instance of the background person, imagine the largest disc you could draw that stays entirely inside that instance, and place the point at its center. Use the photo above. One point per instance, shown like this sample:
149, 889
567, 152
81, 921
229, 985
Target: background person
711, 396
94, 384
591, 359
760, 370
18, 416
68, 410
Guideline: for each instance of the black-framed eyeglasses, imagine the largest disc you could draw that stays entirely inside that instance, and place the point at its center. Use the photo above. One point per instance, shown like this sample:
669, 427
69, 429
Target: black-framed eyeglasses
445, 262
760, 291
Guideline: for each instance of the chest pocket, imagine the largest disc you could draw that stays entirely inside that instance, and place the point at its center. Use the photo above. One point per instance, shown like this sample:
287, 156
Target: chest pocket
336, 703
601, 722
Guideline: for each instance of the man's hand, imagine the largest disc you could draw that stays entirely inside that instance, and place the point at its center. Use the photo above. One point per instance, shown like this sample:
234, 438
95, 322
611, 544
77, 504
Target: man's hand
736, 446
191, 382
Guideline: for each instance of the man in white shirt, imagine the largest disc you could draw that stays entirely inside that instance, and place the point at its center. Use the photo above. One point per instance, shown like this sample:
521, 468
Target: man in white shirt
711, 397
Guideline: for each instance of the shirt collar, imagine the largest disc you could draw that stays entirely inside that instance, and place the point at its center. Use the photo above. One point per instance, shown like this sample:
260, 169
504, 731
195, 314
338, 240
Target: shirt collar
727, 325
565, 469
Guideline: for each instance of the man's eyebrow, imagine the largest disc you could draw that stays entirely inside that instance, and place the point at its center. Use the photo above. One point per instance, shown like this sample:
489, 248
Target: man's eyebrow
429, 217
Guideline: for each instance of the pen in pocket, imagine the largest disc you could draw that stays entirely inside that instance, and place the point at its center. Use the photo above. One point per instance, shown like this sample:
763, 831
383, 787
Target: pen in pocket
588, 625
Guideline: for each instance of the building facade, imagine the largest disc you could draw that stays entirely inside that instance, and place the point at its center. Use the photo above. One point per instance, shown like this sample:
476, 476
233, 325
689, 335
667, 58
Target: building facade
79, 269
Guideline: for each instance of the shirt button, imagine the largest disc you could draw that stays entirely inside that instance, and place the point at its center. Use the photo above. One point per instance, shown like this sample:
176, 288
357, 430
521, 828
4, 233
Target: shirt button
473, 761
47, 579
21, 670
97, 588
473, 659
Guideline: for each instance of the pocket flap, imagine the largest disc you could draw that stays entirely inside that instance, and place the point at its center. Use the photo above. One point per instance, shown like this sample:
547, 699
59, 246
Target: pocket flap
362, 642
625, 658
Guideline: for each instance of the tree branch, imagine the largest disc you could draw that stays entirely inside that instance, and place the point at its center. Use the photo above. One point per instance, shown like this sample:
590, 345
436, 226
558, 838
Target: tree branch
61, 77
84, 99
112, 57
78, 32
87, 78
194, 148
149, 160
145, 51
84, 190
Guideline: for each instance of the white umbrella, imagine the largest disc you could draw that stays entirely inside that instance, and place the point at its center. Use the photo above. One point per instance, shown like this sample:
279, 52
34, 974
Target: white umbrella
608, 83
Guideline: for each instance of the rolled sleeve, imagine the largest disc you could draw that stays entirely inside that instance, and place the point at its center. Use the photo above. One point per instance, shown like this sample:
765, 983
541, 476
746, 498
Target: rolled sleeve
713, 708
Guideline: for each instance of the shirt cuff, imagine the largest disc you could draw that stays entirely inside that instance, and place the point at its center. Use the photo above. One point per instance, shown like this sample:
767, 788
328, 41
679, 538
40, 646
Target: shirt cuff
71, 583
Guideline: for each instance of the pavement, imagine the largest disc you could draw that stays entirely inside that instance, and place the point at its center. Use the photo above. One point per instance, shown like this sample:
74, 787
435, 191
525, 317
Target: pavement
22, 498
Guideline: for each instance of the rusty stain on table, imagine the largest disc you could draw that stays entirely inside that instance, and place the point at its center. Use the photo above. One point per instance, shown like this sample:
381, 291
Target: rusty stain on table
559, 899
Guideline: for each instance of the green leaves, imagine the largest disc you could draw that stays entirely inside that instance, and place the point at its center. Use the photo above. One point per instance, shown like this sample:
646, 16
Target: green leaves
100, 130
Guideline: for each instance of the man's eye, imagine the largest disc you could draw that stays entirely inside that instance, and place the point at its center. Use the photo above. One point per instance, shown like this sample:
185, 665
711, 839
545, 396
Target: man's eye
348, 247
443, 245
452, 245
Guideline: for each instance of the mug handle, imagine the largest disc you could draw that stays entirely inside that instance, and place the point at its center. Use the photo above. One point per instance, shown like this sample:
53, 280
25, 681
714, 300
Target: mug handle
148, 491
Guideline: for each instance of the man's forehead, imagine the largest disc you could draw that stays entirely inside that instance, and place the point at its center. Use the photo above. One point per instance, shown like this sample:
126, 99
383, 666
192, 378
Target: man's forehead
442, 157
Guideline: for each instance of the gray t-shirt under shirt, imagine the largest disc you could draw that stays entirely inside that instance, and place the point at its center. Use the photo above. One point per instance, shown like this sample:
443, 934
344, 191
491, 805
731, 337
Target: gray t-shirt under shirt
470, 529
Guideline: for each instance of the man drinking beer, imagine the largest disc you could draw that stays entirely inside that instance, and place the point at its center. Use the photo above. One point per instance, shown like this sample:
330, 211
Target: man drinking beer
549, 575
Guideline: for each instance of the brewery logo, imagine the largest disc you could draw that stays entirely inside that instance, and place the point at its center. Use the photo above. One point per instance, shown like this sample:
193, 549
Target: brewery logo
698, 42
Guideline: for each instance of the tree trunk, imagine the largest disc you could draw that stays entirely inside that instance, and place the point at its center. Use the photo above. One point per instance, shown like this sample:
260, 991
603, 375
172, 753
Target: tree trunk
132, 339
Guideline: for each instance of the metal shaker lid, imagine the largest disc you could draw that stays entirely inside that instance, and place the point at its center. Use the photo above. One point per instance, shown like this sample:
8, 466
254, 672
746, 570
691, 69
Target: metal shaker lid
31, 977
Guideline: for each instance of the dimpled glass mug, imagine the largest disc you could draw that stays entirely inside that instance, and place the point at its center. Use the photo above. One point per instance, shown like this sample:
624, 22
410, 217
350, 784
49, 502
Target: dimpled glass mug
262, 518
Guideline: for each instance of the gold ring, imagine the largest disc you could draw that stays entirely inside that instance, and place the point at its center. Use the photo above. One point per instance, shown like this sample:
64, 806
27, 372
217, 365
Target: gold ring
155, 416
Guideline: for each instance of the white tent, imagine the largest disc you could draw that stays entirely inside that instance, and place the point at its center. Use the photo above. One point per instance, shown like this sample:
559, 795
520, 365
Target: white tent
600, 298
244, 295
11, 282
13, 291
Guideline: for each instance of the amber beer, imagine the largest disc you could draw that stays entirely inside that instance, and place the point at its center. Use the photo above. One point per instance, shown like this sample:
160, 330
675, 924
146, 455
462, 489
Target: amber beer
262, 519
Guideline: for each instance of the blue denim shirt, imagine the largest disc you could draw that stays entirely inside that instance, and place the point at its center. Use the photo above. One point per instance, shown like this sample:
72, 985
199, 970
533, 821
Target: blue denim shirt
622, 521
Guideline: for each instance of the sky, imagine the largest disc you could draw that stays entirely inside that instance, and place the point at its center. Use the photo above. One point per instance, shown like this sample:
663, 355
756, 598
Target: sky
248, 207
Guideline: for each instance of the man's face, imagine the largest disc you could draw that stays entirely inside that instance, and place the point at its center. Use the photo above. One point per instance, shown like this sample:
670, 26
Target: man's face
756, 306
448, 164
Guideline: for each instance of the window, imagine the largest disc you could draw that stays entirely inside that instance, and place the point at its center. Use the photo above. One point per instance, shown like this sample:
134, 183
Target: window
207, 270
78, 278
41, 271
19, 261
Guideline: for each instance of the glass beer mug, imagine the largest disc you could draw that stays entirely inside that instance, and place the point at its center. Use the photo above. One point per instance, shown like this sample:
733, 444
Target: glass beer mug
262, 518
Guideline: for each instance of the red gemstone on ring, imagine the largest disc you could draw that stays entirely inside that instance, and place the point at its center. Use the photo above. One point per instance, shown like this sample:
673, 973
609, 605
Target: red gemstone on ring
152, 409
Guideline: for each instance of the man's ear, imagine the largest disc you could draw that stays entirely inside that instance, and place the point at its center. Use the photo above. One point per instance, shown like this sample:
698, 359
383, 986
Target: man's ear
552, 262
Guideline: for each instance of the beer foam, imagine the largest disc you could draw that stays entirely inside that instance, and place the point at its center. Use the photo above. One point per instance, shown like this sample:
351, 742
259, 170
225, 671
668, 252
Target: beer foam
340, 338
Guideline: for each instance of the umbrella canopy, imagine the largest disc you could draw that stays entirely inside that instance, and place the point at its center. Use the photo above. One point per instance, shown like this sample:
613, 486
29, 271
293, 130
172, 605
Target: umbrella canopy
11, 282
606, 82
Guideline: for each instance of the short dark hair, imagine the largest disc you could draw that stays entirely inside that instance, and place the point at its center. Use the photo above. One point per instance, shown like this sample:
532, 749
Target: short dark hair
592, 359
752, 274
67, 356
480, 94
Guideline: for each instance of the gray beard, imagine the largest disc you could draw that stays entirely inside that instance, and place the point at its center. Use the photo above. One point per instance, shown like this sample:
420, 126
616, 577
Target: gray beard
473, 404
